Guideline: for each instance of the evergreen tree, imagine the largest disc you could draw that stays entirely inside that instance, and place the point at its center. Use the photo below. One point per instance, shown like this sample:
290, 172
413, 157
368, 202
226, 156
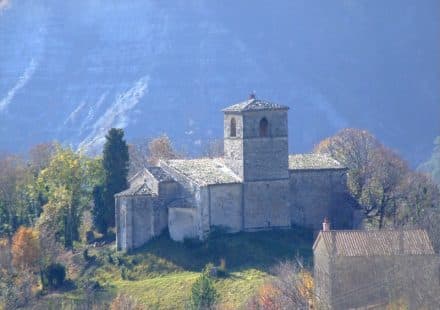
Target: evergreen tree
98, 210
115, 163
203, 293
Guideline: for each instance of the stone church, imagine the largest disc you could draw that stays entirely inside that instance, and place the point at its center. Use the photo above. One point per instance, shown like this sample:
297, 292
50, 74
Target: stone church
257, 185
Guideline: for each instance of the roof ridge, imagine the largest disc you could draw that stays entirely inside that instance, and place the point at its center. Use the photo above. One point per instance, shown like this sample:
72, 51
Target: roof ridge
379, 242
254, 104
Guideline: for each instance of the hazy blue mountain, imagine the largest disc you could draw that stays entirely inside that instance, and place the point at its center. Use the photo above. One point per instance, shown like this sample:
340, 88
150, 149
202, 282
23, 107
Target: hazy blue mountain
69, 70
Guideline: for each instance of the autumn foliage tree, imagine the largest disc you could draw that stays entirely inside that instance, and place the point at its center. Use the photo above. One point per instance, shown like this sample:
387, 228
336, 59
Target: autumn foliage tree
25, 249
291, 288
161, 148
382, 183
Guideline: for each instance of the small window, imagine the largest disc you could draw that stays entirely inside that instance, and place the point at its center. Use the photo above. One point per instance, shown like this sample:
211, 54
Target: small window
264, 127
233, 128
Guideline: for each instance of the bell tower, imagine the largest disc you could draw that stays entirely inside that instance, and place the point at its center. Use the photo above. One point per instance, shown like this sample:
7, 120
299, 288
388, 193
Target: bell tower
256, 140
256, 149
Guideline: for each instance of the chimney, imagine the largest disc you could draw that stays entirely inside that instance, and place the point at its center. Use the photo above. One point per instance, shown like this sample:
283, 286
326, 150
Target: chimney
326, 225
252, 96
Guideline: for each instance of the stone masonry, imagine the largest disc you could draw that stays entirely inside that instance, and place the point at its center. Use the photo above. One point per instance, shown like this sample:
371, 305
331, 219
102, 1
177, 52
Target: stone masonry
257, 185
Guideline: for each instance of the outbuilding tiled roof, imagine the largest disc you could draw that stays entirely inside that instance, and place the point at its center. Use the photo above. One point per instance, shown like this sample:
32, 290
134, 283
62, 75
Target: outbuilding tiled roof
204, 171
376, 242
313, 161
255, 105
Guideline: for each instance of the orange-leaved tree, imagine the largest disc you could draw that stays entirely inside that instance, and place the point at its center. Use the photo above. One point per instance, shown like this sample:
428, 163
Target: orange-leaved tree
25, 249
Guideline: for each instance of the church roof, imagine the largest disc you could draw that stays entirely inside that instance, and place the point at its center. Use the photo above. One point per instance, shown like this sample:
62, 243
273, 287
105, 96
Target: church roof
313, 162
375, 242
254, 104
136, 189
159, 174
204, 171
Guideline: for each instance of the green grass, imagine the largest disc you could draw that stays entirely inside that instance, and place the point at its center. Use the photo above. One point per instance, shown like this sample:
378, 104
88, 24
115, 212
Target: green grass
172, 291
160, 274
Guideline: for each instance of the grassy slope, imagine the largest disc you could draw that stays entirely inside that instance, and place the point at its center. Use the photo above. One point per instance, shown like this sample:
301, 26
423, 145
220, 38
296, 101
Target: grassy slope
160, 274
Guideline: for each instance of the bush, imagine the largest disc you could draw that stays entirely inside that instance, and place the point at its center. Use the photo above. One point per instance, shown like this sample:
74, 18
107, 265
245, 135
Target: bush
221, 270
203, 293
87, 256
124, 302
90, 237
53, 276
125, 273
115, 259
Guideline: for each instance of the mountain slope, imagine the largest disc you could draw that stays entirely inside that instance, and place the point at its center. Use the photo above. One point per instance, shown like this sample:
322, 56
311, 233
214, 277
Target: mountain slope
69, 70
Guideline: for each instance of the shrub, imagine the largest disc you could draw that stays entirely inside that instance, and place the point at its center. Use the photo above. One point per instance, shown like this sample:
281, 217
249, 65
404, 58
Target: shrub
203, 293
291, 288
124, 302
124, 273
53, 276
90, 237
115, 259
221, 270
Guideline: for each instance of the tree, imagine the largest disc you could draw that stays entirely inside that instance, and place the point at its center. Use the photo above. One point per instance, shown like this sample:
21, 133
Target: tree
290, 288
161, 148
5, 256
375, 172
432, 166
40, 155
16, 205
25, 249
139, 155
20, 203
115, 163
99, 209
53, 276
389, 192
67, 184
203, 293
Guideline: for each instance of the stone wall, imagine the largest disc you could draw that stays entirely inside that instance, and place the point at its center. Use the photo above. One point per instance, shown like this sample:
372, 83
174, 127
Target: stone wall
256, 158
182, 223
226, 206
134, 216
362, 281
233, 146
315, 194
197, 196
266, 204
321, 276
277, 120
265, 159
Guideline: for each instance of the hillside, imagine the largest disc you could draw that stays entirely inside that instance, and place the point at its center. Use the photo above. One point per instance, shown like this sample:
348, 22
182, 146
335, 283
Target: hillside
77, 68
160, 275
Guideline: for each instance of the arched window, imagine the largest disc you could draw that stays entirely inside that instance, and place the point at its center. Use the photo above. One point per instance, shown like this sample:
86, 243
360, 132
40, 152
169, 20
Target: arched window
233, 128
264, 127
